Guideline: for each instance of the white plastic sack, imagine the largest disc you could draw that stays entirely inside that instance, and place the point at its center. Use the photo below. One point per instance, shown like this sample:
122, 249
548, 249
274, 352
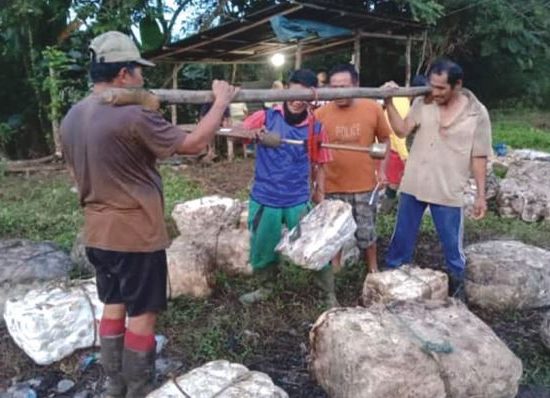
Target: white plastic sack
405, 283
52, 322
220, 379
319, 236
530, 154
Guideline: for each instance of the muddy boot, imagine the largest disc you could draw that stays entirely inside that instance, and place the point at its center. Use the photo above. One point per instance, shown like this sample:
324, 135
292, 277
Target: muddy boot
111, 360
138, 369
389, 201
456, 287
325, 280
266, 276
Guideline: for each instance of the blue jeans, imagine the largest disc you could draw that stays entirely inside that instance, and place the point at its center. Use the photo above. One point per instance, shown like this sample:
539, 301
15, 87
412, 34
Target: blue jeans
449, 224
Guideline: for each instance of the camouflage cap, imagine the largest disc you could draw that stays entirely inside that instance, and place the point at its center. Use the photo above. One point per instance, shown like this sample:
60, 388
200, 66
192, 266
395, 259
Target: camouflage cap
115, 46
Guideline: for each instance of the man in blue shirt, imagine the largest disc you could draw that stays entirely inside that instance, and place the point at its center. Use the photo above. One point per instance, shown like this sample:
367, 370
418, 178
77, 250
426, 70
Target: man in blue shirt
281, 192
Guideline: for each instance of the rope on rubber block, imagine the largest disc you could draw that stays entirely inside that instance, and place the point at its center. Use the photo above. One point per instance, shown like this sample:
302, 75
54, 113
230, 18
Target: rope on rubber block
428, 346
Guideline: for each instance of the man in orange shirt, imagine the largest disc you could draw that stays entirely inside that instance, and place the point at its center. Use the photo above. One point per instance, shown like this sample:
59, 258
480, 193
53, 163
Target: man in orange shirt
351, 176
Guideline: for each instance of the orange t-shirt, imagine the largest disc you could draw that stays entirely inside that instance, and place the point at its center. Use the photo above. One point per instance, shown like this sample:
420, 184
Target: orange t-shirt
361, 124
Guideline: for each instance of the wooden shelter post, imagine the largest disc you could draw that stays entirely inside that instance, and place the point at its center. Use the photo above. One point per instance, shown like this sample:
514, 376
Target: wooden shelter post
357, 52
173, 108
298, 58
408, 62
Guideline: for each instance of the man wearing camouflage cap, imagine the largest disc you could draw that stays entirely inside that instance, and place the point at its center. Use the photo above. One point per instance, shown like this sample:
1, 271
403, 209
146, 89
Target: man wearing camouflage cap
111, 152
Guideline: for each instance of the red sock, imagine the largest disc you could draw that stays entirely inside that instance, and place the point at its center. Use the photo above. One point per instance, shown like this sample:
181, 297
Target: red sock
138, 342
111, 327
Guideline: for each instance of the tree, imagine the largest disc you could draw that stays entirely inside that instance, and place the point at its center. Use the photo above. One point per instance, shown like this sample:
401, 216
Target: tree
26, 27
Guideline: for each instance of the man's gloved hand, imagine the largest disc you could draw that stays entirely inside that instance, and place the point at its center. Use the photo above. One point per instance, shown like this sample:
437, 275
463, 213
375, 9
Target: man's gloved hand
119, 97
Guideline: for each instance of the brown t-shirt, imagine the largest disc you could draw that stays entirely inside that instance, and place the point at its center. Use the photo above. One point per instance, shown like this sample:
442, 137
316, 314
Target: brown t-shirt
113, 151
359, 124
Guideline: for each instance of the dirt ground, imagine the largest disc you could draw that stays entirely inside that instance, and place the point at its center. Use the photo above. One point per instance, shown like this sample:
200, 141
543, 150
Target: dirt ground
271, 337
222, 178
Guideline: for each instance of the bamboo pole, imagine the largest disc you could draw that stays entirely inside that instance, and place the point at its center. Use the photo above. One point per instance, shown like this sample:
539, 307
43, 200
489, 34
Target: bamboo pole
271, 95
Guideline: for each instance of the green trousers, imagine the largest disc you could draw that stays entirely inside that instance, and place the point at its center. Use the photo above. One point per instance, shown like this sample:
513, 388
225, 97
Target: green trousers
266, 225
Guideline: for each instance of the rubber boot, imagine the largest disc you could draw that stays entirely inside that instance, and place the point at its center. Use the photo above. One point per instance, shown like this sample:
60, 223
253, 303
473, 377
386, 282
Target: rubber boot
138, 369
111, 360
266, 276
325, 280
456, 287
389, 201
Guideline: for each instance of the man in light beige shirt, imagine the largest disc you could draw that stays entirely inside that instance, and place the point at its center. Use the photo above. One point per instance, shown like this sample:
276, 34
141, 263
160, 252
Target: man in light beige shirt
453, 141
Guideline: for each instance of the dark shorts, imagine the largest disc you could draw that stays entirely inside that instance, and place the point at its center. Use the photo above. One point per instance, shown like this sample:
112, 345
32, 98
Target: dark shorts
364, 215
137, 280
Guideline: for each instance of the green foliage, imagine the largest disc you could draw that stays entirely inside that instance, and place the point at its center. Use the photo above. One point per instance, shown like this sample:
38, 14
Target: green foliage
503, 46
44, 208
39, 209
62, 90
177, 189
428, 11
521, 135
6, 133
494, 226
151, 35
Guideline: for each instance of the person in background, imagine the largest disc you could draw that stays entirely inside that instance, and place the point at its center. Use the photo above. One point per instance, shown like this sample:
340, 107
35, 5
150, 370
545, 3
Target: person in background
226, 122
238, 111
322, 78
397, 158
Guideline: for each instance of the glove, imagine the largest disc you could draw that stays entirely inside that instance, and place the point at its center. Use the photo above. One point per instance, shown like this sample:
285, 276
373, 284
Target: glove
119, 97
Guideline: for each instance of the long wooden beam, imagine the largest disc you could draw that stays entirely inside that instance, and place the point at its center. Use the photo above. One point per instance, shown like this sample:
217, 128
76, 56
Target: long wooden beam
270, 95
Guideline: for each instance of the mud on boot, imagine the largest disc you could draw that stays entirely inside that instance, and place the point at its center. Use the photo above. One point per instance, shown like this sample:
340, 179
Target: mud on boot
266, 276
457, 288
324, 279
138, 369
111, 361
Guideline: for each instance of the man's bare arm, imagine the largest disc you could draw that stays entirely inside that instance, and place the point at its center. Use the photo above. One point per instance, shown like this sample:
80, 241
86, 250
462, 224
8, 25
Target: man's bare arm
401, 127
206, 129
318, 176
479, 170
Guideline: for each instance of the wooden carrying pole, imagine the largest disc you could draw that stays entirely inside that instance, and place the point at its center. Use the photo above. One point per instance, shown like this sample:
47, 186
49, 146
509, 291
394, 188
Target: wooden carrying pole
272, 95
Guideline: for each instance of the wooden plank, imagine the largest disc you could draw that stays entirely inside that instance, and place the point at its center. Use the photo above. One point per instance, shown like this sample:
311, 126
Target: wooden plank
389, 36
329, 45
